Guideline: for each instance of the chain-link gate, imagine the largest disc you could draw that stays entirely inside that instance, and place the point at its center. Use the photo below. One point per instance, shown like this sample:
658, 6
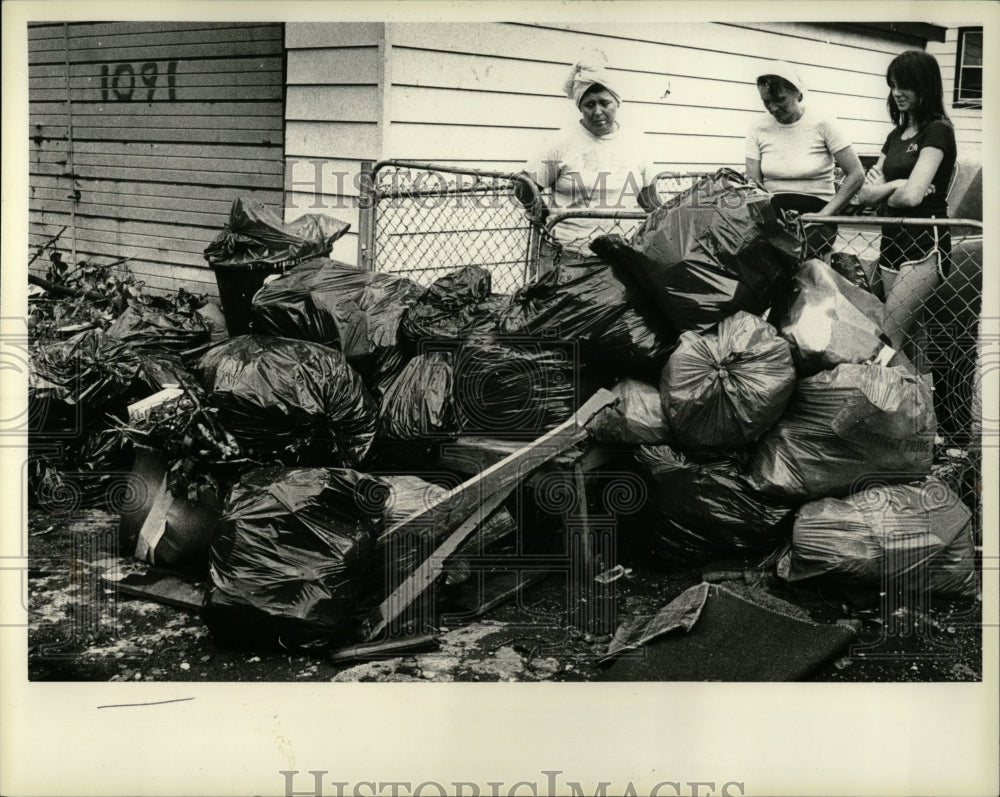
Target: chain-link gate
428, 220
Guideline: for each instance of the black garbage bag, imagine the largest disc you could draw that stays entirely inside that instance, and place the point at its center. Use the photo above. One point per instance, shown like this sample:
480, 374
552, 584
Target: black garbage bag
830, 320
328, 302
418, 404
91, 470
915, 536
593, 303
848, 265
458, 306
715, 249
292, 399
843, 425
257, 235
75, 382
146, 328
636, 418
707, 510
289, 555
518, 390
723, 390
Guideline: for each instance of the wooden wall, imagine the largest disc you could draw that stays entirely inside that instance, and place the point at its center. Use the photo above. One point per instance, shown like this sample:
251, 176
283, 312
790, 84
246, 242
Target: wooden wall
143, 134
968, 121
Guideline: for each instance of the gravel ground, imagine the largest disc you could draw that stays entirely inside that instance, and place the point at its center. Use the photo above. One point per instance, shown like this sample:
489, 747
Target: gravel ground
79, 630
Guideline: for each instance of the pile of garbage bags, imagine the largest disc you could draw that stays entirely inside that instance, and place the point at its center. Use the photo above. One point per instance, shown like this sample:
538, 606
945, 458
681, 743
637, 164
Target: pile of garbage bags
757, 399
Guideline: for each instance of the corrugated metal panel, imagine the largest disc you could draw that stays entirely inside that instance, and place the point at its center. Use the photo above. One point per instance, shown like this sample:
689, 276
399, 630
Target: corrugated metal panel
166, 124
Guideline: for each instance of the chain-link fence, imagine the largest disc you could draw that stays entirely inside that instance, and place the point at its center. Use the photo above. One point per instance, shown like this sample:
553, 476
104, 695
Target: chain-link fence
428, 220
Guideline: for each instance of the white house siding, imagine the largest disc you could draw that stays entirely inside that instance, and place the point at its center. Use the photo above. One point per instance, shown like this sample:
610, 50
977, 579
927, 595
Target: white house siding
333, 119
146, 165
968, 121
487, 94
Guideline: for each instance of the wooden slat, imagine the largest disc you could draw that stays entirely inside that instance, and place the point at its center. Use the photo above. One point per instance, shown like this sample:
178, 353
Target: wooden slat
345, 66
333, 103
193, 71
151, 173
168, 191
266, 138
128, 212
231, 166
172, 236
83, 126
152, 149
76, 30
334, 34
98, 245
332, 139
83, 112
324, 176
184, 93
162, 52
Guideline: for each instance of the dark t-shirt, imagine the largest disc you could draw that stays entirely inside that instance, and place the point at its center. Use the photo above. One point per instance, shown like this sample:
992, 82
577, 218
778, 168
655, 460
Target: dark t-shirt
901, 156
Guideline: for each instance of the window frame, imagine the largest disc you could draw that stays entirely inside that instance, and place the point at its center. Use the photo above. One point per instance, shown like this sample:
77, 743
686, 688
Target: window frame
958, 101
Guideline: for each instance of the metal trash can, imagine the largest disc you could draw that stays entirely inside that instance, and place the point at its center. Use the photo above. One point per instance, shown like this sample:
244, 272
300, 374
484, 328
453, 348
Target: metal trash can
237, 286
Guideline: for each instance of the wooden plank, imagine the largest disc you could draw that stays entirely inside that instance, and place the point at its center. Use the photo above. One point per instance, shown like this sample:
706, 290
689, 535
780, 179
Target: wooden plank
187, 238
152, 149
169, 191
343, 66
474, 500
76, 30
193, 71
221, 48
229, 168
82, 111
125, 211
213, 94
120, 246
357, 103
192, 177
266, 138
163, 587
379, 650
130, 126
323, 176
333, 34
342, 140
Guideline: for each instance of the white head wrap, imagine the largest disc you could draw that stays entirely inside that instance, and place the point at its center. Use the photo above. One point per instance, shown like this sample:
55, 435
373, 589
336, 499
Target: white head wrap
592, 68
785, 70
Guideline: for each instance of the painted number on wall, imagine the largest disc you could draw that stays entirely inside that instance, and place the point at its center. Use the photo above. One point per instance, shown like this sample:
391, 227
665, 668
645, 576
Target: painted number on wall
126, 82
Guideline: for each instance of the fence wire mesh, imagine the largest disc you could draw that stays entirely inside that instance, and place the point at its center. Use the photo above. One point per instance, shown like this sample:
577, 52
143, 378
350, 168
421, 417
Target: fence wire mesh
428, 220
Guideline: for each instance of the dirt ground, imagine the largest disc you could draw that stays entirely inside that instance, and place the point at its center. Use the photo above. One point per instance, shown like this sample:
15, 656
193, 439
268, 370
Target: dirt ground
82, 629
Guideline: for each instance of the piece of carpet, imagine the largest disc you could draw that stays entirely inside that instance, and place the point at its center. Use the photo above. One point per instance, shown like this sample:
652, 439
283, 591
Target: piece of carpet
733, 639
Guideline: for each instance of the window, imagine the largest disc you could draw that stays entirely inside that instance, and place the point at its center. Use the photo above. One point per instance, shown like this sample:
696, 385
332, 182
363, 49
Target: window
969, 68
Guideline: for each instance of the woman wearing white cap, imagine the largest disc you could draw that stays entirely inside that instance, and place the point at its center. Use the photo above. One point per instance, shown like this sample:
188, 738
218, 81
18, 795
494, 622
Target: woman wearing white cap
792, 152
592, 163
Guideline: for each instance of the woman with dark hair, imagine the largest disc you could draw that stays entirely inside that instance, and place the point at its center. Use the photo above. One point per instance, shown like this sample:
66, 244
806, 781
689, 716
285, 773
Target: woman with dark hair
911, 179
592, 163
792, 151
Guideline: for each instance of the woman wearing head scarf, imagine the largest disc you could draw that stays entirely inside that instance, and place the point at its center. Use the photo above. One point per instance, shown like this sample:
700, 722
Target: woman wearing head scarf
793, 149
592, 163
911, 178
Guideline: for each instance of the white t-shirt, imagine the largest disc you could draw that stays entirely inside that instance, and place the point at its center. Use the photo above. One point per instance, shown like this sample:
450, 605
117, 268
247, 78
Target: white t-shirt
798, 156
594, 172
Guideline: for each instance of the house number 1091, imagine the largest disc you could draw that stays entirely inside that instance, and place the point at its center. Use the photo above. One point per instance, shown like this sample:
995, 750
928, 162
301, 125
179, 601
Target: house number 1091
124, 81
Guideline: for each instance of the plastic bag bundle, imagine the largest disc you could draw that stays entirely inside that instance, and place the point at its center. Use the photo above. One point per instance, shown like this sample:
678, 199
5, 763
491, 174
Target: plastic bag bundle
918, 536
723, 390
297, 400
458, 306
146, 328
843, 425
255, 234
289, 555
830, 320
508, 390
704, 511
417, 404
715, 249
636, 418
589, 302
327, 302
79, 379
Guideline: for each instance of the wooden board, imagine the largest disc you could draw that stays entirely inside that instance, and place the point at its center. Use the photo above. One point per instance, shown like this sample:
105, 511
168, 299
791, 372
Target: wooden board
464, 507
